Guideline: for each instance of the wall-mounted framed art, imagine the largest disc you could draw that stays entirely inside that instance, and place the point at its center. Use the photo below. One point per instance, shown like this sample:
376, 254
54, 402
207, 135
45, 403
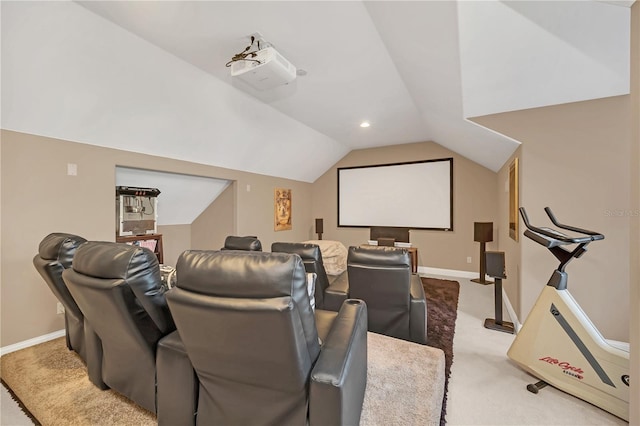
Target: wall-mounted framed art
282, 206
514, 200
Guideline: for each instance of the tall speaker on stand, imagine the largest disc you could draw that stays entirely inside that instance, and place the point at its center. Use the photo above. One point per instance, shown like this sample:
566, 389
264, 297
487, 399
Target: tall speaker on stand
496, 269
482, 233
319, 228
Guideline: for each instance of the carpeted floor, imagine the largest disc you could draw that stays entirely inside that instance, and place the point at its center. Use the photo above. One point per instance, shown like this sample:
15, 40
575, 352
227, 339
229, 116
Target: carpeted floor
52, 383
442, 305
30, 373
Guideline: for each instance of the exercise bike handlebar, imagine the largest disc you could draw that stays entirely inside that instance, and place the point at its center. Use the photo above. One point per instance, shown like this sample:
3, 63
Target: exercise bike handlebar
557, 236
595, 235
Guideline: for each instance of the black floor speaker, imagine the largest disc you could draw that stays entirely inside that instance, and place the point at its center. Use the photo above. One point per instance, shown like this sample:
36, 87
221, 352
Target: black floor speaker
497, 270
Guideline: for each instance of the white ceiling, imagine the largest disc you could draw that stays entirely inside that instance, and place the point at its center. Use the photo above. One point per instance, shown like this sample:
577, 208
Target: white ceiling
520, 55
404, 66
416, 70
150, 76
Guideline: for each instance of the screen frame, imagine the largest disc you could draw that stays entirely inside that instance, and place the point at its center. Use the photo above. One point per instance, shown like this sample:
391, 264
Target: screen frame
451, 189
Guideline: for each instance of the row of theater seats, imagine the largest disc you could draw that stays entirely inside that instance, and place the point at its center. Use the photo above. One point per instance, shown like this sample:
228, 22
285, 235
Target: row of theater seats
236, 341
381, 276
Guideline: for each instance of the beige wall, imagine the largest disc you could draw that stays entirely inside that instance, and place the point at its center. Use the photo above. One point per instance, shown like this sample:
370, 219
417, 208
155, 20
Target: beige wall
175, 240
38, 197
1, 239
574, 160
261, 194
474, 194
217, 221
634, 258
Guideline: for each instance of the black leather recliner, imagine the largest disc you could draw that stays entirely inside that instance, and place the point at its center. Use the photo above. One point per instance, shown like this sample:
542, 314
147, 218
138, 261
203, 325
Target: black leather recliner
329, 296
246, 323
381, 276
55, 254
249, 243
119, 289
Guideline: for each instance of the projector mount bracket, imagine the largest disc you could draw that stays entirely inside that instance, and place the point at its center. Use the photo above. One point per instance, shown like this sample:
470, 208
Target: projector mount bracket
247, 54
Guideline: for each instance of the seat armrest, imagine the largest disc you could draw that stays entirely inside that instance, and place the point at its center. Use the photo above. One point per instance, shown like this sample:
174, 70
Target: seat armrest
339, 378
418, 314
336, 293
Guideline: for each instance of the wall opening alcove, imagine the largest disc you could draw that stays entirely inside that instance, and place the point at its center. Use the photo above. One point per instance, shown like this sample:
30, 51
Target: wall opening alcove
183, 198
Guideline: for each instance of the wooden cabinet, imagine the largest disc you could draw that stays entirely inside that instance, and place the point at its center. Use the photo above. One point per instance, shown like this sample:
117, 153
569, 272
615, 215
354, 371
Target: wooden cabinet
151, 241
413, 252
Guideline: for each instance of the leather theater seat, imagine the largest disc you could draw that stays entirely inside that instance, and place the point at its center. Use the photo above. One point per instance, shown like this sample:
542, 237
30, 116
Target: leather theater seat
119, 289
250, 243
396, 304
328, 296
55, 254
246, 323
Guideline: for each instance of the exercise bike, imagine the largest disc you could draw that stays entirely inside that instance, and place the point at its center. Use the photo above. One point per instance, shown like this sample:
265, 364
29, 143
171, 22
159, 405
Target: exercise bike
559, 344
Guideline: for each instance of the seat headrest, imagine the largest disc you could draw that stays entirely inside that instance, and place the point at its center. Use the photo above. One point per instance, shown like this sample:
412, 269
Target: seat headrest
241, 274
305, 251
60, 246
379, 256
249, 243
102, 259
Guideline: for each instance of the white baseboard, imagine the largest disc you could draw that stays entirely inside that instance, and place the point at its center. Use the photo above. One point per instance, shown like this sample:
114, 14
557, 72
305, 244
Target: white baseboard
446, 272
511, 311
31, 342
471, 275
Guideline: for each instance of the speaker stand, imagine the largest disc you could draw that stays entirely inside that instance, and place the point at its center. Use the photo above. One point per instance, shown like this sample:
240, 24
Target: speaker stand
483, 266
497, 323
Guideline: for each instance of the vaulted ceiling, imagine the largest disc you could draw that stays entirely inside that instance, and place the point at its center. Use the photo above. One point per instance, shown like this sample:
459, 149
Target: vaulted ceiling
150, 76
415, 70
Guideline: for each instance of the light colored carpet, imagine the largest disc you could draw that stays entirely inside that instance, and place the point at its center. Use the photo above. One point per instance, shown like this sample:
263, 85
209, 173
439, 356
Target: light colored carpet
52, 383
405, 383
10, 412
405, 386
486, 388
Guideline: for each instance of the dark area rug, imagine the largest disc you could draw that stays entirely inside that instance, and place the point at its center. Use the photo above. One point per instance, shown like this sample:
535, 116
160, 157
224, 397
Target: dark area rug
442, 305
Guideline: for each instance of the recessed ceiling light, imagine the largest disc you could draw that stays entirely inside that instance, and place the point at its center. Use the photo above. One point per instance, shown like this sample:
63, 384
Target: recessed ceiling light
365, 124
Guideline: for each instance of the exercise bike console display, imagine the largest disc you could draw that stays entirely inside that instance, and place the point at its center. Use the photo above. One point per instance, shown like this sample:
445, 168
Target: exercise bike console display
558, 343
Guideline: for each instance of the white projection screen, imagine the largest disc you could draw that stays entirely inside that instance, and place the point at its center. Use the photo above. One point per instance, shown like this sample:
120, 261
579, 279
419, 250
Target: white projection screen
416, 195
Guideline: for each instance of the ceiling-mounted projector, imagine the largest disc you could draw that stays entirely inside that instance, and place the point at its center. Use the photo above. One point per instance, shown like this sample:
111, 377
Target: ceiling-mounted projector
266, 70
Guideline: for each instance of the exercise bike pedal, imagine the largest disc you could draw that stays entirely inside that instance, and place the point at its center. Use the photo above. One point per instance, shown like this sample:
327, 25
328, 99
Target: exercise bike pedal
535, 387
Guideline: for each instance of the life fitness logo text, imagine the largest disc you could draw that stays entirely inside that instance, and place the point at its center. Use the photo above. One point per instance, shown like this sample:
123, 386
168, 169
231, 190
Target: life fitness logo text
566, 367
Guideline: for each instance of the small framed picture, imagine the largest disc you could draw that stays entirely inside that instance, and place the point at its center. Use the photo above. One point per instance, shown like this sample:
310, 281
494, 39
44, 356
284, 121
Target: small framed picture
514, 202
282, 209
